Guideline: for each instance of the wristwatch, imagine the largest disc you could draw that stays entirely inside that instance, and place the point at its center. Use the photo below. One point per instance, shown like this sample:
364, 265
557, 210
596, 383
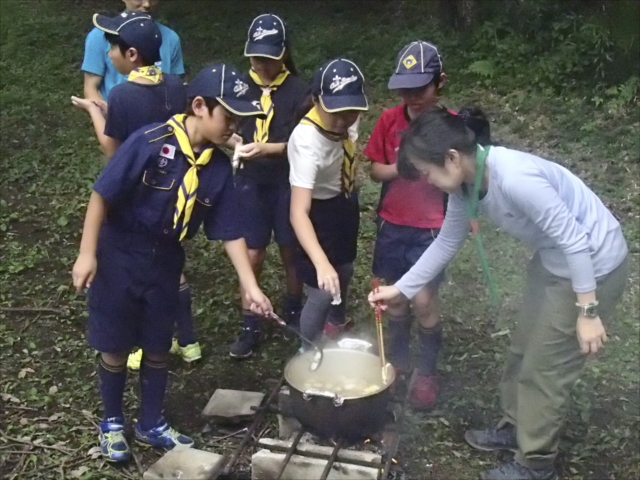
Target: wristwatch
589, 310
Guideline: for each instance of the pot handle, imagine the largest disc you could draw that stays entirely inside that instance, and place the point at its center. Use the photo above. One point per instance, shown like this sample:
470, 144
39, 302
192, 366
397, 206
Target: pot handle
312, 392
355, 344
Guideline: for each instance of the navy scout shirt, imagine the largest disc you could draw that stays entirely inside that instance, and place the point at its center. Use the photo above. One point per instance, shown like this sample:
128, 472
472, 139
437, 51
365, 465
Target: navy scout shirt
134, 105
287, 100
140, 186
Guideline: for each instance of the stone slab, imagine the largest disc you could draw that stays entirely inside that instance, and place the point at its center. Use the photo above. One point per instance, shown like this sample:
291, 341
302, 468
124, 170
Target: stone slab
266, 464
344, 455
184, 464
232, 403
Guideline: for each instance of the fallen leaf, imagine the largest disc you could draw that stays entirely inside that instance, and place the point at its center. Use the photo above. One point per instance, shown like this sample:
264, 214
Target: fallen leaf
53, 390
457, 454
23, 421
54, 417
79, 472
506, 331
444, 421
7, 397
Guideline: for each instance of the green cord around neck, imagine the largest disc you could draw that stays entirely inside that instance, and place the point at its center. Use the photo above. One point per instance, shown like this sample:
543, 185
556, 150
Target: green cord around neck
471, 203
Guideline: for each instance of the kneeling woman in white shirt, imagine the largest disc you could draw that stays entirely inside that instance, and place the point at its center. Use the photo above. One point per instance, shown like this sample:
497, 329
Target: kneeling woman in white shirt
324, 205
574, 280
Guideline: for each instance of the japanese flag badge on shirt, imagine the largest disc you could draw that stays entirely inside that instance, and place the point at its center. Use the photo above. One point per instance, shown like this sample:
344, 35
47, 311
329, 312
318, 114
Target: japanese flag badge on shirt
168, 151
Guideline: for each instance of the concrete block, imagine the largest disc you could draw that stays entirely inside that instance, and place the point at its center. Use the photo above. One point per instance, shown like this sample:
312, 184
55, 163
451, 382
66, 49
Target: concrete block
344, 455
232, 404
184, 464
266, 464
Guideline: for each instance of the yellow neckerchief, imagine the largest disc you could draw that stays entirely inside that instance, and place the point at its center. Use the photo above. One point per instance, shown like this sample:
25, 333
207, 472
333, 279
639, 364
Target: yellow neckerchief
151, 73
262, 125
188, 188
349, 162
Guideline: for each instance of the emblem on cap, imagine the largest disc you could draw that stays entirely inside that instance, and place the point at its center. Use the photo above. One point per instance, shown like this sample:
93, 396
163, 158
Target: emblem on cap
409, 62
240, 88
339, 82
260, 33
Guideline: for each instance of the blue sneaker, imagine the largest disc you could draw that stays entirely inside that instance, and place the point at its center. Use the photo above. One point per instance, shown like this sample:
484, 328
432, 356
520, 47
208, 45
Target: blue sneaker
162, 436
113, 445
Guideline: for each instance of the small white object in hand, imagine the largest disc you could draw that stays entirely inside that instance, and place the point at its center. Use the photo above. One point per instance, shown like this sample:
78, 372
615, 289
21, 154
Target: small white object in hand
336, 299
235, 161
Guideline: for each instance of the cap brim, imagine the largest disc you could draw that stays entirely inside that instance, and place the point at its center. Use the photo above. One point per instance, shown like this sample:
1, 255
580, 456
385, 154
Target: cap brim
409, 80
241, 108
258, 50
344, 102
106, 24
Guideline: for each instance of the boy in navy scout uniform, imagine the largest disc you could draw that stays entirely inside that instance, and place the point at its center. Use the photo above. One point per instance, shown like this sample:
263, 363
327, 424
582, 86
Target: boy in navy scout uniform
149, 96
161, 184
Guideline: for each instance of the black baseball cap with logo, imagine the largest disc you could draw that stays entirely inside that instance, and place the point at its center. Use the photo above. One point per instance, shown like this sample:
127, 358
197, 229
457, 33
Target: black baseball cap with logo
225, 84
339, 85
267, 37
138, 30
417, 64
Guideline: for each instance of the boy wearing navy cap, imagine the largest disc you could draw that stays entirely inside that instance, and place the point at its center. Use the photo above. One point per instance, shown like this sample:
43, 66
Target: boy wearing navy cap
410, 215
149, 96
100, 74
162, 183
262, 179
324, 203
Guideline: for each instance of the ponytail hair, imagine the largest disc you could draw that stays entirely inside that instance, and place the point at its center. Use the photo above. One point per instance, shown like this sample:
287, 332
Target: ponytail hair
288, 58
477, 121
430, 137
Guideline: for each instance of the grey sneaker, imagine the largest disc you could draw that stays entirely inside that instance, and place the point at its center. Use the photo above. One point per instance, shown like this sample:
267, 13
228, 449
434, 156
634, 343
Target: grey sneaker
516, 471
493, 439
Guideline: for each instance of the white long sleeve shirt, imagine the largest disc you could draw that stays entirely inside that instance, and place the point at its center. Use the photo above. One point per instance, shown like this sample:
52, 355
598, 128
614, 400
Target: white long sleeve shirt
544, 205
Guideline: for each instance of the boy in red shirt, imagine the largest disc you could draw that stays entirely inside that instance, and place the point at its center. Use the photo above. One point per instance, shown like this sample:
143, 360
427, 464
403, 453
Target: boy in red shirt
410, 214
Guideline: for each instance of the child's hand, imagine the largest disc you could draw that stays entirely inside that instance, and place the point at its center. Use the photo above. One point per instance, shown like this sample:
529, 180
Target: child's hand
84, 270
260, 304
87, 105
328, 279
250, 150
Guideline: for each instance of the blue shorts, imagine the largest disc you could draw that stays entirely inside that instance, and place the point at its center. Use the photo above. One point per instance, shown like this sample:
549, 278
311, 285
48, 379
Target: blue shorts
264, 210
398, 248
134, 296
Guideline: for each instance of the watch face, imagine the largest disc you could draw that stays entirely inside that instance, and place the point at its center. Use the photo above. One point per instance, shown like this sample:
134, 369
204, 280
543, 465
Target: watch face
590, 311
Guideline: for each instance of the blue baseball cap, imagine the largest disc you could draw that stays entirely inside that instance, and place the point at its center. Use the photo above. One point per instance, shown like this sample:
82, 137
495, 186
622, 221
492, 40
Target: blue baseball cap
416, 65
266, 38
226, 85
136, 29
339, 85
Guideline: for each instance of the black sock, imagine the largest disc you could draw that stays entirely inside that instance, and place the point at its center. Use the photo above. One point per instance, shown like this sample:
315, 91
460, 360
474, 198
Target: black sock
430, 342
250, 320
153, 383
112, 382
184, 320
399, 329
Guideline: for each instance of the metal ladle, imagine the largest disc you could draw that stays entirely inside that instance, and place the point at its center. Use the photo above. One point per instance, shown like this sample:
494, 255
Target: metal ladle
317, 358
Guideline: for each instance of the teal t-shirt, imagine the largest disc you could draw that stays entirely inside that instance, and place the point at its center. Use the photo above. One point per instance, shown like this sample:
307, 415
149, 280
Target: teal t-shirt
97, 61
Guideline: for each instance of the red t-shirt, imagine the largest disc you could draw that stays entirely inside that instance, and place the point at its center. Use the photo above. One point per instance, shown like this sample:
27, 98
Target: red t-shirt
410, 203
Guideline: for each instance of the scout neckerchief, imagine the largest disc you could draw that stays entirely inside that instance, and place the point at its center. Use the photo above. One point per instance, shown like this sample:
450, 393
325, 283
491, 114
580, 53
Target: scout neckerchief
188, 188
348, 175
471, 202
262, 125
151, 73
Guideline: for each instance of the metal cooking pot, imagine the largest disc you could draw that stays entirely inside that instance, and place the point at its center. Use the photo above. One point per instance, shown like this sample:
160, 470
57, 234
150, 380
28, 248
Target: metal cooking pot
346, 397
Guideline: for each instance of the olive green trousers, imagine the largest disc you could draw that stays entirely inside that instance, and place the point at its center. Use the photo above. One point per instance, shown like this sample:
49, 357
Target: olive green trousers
544, 360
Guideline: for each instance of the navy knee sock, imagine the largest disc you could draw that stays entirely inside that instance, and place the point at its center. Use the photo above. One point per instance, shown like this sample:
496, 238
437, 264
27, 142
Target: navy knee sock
250, 320
399, 329
153, 383
430, 342
112, 382
184, 320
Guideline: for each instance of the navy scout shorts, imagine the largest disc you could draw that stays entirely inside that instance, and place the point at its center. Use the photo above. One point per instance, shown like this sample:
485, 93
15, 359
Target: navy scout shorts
134, 296
398, 248
264, 209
